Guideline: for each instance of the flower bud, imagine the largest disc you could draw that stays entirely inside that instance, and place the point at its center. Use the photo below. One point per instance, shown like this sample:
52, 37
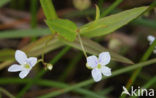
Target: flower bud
81, 4
49, 66
88, 66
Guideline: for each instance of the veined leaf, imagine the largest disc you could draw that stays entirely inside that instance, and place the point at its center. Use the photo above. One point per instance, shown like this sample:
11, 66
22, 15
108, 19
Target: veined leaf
48, 9
42, 45
95, 48
111, 23
65, 28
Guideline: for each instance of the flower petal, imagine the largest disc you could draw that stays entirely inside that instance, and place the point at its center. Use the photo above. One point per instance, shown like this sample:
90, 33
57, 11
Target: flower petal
14, 68
96, 74
106, 71
32, 61
92, 61
23, 73
104, 58
150, 38
20, 57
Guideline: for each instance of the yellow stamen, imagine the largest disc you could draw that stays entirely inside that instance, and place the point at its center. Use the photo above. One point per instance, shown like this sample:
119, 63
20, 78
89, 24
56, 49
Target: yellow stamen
99, 66
27, 66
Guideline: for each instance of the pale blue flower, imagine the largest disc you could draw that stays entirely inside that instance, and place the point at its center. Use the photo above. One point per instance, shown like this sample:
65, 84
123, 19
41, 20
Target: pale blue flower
26, 64
98, 65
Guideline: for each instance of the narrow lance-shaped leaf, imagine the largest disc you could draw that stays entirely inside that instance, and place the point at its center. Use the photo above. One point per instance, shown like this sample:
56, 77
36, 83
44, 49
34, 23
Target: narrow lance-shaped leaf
24, 33
111, 23
65, 28
48, 9
42, 45
97, 13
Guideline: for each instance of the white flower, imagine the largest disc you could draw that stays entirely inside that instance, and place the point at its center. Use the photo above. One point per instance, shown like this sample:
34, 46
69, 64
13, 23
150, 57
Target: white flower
98, 65
25, 66
151, 39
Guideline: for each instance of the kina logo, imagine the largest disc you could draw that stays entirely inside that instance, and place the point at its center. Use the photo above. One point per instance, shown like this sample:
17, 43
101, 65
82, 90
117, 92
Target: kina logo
137, 92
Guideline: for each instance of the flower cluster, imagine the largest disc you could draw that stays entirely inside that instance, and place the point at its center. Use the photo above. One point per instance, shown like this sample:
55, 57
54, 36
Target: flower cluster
98, 65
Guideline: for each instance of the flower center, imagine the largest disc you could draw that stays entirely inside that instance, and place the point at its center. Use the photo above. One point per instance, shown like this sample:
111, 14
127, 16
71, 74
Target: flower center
27, 66
99, 66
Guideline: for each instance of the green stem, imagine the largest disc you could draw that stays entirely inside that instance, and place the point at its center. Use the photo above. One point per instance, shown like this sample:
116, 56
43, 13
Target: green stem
33, 10
90, 81
100, 4
145, 22
41, 73
55, 59
82, 46
111, 8
148, 52
63, 85
6, 93
29, 84
150, 82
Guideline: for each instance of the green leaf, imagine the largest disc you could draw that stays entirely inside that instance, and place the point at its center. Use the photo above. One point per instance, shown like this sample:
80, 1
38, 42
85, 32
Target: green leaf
24, 33
43, 45
65, 28
48, 9
95, 48
97, 13
111, 23
3, 2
